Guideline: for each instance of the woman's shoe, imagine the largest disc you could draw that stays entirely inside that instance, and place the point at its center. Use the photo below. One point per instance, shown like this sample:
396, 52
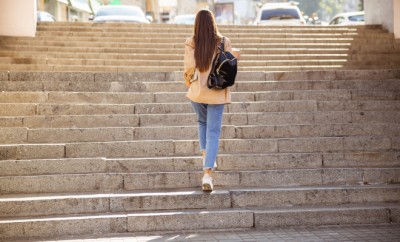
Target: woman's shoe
207, 184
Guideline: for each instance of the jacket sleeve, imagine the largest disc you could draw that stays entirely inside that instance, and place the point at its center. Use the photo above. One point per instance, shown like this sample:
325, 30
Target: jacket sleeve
189, 62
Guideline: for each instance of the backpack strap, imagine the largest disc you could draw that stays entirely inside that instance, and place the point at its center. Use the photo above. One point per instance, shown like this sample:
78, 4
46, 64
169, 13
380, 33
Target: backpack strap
222, 44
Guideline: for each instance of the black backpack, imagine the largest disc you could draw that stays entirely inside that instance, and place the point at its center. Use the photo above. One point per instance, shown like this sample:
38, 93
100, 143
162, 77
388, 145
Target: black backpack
224, 69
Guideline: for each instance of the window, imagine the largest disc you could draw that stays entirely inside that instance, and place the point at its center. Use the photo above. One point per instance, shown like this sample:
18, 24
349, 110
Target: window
278, 14
356, 18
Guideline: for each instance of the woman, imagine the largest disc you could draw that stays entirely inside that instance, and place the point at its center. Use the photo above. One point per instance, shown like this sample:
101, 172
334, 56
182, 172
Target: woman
200, 49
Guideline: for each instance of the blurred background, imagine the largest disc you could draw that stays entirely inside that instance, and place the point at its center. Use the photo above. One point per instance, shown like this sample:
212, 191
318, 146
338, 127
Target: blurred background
238, 12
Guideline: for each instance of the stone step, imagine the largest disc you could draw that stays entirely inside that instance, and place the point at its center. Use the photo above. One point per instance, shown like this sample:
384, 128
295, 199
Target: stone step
382, 75
186, 34
179, 43
148, 120
91, 203
126, 27
18, 57
159, 148
244, 38
226, 162
178, 63
17, 135
83, 84
196, 220
144, 49
31, 109
51, 227
103, 182
180, 97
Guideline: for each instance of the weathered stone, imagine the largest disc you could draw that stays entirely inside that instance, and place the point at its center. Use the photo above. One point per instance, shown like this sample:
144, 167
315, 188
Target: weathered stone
23, 97
136, 181
288, 197
298, 106
190, 220
13, 135
3, 76
21, 86
129, 76
80, 135
61, 183
281, 177
52, 76
395, 215
53, 205
361, 159
53, 166
241, 162
366, 143
172, 200
381, 175
119, 149
310, 145
167, 120
161, 108
162, 164
321, 216
251, 76
82, 109
97, 98
82, 121
11, 121
374, 195
31, 228
342, 176
14, 109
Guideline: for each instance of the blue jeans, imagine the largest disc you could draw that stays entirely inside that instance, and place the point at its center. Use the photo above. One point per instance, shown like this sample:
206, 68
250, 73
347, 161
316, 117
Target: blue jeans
209, 117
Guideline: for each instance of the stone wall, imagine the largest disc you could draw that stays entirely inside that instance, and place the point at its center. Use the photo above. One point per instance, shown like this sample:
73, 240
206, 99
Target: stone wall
387, 14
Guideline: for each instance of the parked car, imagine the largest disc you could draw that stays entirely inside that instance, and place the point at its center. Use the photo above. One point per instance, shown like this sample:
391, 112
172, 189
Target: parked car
350, 18
279, 14
184, 19
120, 13
45, 17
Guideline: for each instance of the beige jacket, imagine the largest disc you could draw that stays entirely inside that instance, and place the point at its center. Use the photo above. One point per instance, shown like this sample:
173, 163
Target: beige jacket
198, 90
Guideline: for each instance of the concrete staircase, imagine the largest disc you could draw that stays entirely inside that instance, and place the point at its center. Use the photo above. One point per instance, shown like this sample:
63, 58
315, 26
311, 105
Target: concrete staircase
157, 47
95, 152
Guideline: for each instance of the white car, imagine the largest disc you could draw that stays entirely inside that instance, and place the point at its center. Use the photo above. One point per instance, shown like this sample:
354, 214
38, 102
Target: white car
120, 13
45, 17
185, 19
280, 14
351, 18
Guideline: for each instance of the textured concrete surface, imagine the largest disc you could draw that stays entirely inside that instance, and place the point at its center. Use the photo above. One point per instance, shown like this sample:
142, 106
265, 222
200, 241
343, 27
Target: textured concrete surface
350, 233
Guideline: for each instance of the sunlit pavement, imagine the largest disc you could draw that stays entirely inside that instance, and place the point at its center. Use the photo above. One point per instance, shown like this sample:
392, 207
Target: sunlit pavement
384, 232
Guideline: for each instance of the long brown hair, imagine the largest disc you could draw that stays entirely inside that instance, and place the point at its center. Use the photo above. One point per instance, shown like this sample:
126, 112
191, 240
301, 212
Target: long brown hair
206, 38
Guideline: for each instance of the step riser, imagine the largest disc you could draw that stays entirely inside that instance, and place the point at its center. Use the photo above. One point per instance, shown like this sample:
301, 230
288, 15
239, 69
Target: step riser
23, 109
249, 162
312, 197
128, 223
114, 204
189, 147
179, 97
245, 86
195, 221
138, 181
24, 135
314, 218
145, 120
221, 199
345, 76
